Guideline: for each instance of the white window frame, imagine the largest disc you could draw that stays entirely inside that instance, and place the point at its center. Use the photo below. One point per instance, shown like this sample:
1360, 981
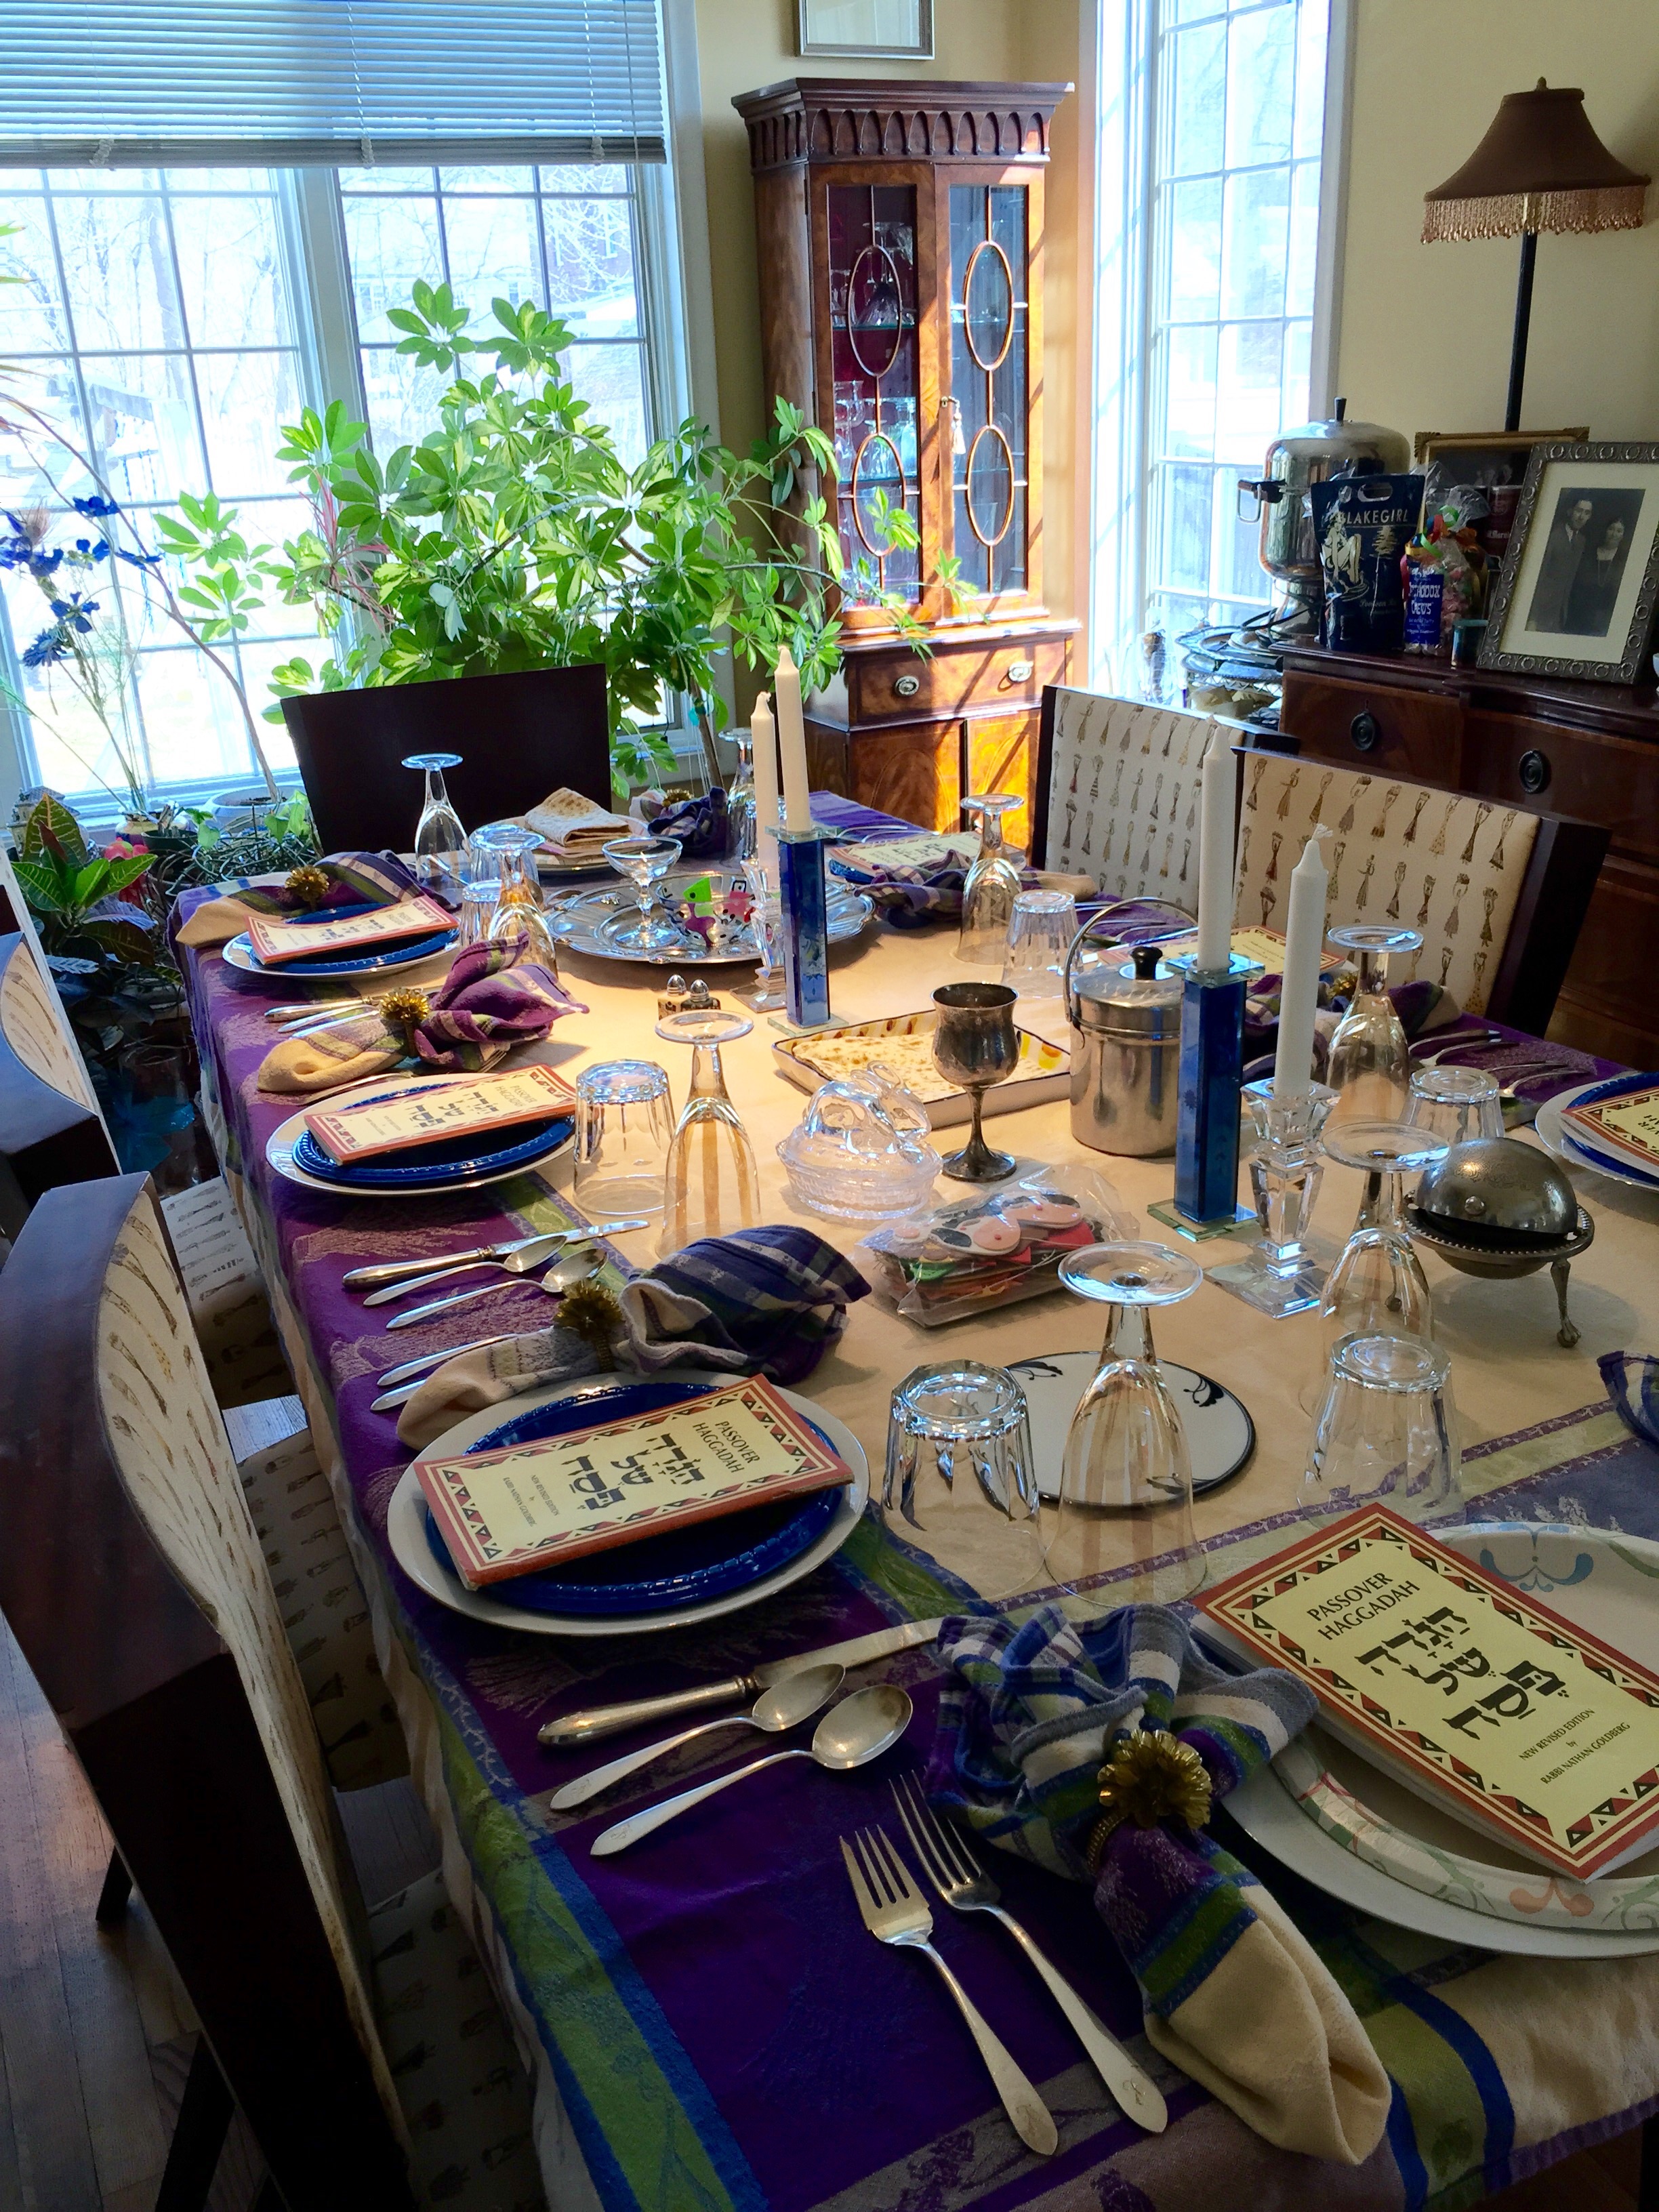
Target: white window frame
1126, 104
677, 349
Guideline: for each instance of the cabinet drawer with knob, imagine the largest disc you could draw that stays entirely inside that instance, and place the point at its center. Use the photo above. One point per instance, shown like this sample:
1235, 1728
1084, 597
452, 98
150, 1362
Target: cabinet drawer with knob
1596, 775
895, 685
1406, 733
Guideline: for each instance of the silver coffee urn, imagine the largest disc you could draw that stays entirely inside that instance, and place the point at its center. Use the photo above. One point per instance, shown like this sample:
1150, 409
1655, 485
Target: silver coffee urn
1296, 459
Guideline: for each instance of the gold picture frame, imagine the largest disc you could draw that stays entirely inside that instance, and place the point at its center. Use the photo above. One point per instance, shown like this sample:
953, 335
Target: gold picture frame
1490, 461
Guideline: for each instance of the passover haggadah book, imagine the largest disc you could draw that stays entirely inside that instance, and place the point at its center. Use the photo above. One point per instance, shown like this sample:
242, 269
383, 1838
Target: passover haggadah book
528, 1506
276, 941
1626, 1125
1483, 1701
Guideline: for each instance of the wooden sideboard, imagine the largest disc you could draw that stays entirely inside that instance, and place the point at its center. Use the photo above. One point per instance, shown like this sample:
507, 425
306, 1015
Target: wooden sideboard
1588, 749
900, 228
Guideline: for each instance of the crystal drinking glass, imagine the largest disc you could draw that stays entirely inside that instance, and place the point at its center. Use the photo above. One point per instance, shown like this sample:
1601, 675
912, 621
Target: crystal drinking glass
1040, 933
991, 884
518, 917
976, 1044
645, 861
740, 799
1386, 1432
710, 1185
1370, 1066
1286, 1168
440, 840
625, 1126
1377, 1287
480, 892
961, 1480
1457, 1104
1125, 1508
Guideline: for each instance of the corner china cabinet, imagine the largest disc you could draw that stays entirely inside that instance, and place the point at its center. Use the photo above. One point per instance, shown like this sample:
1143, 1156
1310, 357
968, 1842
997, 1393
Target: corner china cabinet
900, 229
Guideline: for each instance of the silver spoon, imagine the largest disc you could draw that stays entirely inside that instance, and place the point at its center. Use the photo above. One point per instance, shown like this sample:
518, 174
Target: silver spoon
784, 1706
860, 1728
573, 1269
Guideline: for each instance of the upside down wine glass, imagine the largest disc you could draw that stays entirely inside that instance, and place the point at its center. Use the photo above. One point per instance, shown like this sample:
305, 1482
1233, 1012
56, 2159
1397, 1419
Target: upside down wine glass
440, 840
1370, 1064
992, 884
1125, 1508
710, 1186
518, 917
1377, 1287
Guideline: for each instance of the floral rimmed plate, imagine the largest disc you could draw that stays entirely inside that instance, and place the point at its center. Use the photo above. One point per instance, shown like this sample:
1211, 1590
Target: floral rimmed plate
1598, 1579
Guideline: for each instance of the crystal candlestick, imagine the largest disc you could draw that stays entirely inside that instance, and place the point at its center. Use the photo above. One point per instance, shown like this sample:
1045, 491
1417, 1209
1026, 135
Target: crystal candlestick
1286, 1167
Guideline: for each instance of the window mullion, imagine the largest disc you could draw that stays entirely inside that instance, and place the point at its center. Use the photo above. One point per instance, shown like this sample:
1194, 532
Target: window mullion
317, 276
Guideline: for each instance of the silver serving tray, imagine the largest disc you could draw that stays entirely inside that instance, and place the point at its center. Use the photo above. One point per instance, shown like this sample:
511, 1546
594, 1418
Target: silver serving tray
578, 921
1044, 1070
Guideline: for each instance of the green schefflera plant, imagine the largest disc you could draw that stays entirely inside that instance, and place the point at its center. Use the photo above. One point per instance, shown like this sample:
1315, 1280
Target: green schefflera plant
514, 536
75, 894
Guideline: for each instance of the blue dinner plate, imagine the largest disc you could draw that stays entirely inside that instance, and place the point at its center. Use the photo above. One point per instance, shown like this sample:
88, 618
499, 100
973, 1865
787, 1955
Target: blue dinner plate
319, 964
682, 1566
1614, 1087
431, 1167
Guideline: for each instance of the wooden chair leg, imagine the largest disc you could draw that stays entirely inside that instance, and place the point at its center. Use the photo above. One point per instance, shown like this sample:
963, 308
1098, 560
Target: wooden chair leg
199, 2136
113, 1896
1647, 2186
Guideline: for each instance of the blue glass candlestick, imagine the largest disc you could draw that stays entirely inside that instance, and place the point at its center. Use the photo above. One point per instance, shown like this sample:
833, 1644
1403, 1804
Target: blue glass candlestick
1206, 1202
806, 926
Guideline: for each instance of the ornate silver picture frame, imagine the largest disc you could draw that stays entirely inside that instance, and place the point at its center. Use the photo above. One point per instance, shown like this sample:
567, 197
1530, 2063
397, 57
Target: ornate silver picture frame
857, 30
1576, 595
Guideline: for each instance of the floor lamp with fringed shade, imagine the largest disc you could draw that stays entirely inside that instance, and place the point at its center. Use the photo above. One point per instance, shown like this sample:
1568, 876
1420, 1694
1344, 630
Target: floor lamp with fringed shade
1541, 167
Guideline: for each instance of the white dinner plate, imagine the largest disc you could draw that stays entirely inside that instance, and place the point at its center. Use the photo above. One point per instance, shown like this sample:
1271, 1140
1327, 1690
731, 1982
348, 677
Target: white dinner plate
1220, 1434
406, 1525
279, 1145
1552, 1132
1369, 1840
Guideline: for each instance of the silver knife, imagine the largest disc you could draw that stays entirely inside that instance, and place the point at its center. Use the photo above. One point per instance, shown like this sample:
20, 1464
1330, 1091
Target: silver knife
436, 1358
595, 1720
439, 1264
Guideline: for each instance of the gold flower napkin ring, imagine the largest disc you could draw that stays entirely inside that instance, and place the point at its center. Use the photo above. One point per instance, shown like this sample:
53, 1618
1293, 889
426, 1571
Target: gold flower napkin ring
1150, 1778
307, 887
403, 1012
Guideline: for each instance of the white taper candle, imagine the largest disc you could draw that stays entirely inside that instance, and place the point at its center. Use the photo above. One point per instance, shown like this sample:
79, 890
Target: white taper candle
1303, 948
792, 744
764, 740
1215, 855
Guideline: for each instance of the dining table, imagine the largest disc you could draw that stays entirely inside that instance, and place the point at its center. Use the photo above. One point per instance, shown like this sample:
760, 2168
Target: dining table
707, 2023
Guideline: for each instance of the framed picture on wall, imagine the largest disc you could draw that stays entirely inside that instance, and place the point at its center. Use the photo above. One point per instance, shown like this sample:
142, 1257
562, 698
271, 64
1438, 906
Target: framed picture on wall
1576, 597
851, 30
1490, 462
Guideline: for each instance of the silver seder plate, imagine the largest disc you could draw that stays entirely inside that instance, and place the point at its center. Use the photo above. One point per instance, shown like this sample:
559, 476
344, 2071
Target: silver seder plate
579, 920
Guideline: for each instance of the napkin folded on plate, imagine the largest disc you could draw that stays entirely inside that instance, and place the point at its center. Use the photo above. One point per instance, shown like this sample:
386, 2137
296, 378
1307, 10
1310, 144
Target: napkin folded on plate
576, 828
914, 879
491, 999
343, 880
1633, 1383
1233, 1993
703, 825
769, 1300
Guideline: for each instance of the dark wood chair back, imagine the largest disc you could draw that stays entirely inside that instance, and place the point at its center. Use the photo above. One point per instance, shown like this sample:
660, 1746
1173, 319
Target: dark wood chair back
520, 736
51, 1129
130, 1576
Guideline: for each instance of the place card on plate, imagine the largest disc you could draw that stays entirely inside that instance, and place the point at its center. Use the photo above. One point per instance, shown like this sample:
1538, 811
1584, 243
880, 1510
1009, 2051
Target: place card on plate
1479, 1698
276, 941
439, 1113
527, 1507
1627, 1126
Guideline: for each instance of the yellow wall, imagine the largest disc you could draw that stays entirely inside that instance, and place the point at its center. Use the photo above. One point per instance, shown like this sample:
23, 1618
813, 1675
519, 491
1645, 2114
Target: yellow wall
1424, 330
745, 43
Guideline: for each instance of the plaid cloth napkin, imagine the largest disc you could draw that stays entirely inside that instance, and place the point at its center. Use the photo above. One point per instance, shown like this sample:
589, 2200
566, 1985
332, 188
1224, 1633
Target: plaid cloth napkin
1233, 1993
702, 824
1633, 1383
916, 885
490, 1000
347, 879
772, 1299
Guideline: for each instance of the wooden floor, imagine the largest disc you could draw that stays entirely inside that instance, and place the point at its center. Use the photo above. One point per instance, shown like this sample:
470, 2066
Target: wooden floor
95, 2041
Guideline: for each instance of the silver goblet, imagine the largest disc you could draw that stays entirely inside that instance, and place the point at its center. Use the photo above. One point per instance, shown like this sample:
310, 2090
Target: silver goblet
976, 1044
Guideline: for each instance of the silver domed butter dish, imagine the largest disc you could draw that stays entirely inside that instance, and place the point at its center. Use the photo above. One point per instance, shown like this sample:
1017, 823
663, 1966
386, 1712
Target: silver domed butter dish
1498, 1208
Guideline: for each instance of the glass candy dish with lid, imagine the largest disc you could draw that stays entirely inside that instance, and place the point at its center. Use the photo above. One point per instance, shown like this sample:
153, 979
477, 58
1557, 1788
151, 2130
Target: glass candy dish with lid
861, 1153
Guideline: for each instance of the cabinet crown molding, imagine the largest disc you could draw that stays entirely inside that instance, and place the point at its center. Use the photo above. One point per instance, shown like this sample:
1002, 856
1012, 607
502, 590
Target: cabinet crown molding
808, 119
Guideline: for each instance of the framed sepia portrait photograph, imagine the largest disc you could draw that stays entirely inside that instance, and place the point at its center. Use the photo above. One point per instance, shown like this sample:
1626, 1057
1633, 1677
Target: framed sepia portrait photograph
1576, 595
1491, 463
856, 30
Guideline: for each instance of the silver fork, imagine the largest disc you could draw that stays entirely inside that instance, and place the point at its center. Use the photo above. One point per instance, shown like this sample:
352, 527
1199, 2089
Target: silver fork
948, 1861
894, 1911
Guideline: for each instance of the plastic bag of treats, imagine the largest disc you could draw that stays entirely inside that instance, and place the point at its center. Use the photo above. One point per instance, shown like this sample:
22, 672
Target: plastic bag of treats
993, 1247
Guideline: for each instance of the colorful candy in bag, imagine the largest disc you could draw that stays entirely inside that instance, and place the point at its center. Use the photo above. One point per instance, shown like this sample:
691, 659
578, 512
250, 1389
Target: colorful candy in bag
1443, 574
1363, 524
994, 1249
